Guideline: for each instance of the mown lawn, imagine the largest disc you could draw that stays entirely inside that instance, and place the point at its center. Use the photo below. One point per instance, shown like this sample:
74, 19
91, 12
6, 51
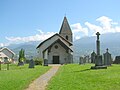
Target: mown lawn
19, 77
81, 77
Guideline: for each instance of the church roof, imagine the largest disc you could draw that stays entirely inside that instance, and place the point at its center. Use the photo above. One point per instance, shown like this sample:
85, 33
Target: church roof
65, 27
60, 37
61, 43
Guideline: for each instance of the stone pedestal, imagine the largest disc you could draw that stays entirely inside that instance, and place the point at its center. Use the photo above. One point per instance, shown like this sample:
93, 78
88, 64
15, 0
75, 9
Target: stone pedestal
98, 60
98, 63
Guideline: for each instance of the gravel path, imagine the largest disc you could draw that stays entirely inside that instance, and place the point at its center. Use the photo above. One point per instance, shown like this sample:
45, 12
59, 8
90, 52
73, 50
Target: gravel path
41, 82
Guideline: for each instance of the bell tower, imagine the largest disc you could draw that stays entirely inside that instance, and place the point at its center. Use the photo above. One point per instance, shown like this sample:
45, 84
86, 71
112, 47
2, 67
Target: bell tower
65, 30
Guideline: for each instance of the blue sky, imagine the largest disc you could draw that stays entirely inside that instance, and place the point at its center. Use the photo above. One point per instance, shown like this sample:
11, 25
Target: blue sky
36, 20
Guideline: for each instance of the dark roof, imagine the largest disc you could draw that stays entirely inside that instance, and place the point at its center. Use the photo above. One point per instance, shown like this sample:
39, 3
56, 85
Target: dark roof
52, 37
1, 49
65, 27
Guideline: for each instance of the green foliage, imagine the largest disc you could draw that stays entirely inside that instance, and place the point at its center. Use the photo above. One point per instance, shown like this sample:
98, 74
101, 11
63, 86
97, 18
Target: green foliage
38, 61
19, 78
81, 77
21, 55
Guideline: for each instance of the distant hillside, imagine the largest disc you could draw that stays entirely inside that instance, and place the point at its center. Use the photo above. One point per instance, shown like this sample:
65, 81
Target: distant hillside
83, 46
29, 47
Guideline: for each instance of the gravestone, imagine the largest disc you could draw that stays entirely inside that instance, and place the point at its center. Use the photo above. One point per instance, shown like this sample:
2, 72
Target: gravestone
0, 65
98, 57
93, 54
107, 58
86, 59
81, 60
117, 60
45, 62
31, 63
6, 62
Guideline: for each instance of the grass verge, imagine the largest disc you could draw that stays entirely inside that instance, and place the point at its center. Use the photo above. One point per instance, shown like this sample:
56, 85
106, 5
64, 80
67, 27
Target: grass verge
19, 77
81, 77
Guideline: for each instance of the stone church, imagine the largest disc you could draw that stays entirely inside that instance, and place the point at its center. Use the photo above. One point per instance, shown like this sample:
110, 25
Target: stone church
58, 48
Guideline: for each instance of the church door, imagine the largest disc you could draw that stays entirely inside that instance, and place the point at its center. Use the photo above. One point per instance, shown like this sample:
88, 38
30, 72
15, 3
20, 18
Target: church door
55, 59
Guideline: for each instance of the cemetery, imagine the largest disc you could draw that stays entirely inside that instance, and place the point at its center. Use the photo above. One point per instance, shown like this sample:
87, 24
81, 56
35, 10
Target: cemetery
96, 71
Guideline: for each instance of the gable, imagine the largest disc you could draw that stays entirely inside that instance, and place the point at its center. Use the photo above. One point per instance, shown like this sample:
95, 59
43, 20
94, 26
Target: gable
7, 52
5, 49
48, 42
66, 47
53, 38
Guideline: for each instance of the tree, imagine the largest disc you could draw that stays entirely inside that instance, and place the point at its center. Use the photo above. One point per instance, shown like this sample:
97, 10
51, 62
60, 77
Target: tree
21, 58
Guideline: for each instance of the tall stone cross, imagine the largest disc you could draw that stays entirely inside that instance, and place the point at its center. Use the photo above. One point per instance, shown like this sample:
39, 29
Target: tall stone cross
107, 49
98, 43
98, 34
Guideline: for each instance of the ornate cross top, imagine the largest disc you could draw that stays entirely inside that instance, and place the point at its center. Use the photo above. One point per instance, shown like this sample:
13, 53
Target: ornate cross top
107, 49
97, 35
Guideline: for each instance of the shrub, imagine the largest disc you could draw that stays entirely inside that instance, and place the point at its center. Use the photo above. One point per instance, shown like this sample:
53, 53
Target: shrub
38, 61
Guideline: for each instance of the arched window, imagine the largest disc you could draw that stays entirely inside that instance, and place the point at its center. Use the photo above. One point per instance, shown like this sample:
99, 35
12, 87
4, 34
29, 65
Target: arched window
67, 37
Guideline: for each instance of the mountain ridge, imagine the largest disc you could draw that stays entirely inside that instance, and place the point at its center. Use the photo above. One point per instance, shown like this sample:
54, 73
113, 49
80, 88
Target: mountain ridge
82, 46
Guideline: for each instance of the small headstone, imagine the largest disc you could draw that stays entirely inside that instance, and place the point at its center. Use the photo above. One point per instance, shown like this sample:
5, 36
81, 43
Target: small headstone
86, 59
20, 63
7, 66
107, 58
45, 62
6, 60
0, 65
93, 54
81, 60
117, 60
31, 63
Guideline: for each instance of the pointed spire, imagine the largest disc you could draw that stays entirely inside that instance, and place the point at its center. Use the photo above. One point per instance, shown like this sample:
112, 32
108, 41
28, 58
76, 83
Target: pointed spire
65, 26
65, 30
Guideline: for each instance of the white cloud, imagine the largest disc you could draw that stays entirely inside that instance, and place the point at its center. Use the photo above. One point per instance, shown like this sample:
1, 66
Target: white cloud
104, 25
38, 37
77, 29
93, 27
4, 44
1, 44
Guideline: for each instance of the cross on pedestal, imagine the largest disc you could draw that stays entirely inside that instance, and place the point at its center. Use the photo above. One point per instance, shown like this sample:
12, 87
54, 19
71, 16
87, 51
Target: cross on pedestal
98, 34
98, 57
107, 49
98, 44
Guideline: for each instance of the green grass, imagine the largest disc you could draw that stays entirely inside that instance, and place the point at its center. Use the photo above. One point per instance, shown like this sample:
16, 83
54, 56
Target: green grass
81, 77
19, 77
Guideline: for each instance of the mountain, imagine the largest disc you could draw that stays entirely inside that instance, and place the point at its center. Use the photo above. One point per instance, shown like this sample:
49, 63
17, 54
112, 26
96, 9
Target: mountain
29, 47
83, 46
